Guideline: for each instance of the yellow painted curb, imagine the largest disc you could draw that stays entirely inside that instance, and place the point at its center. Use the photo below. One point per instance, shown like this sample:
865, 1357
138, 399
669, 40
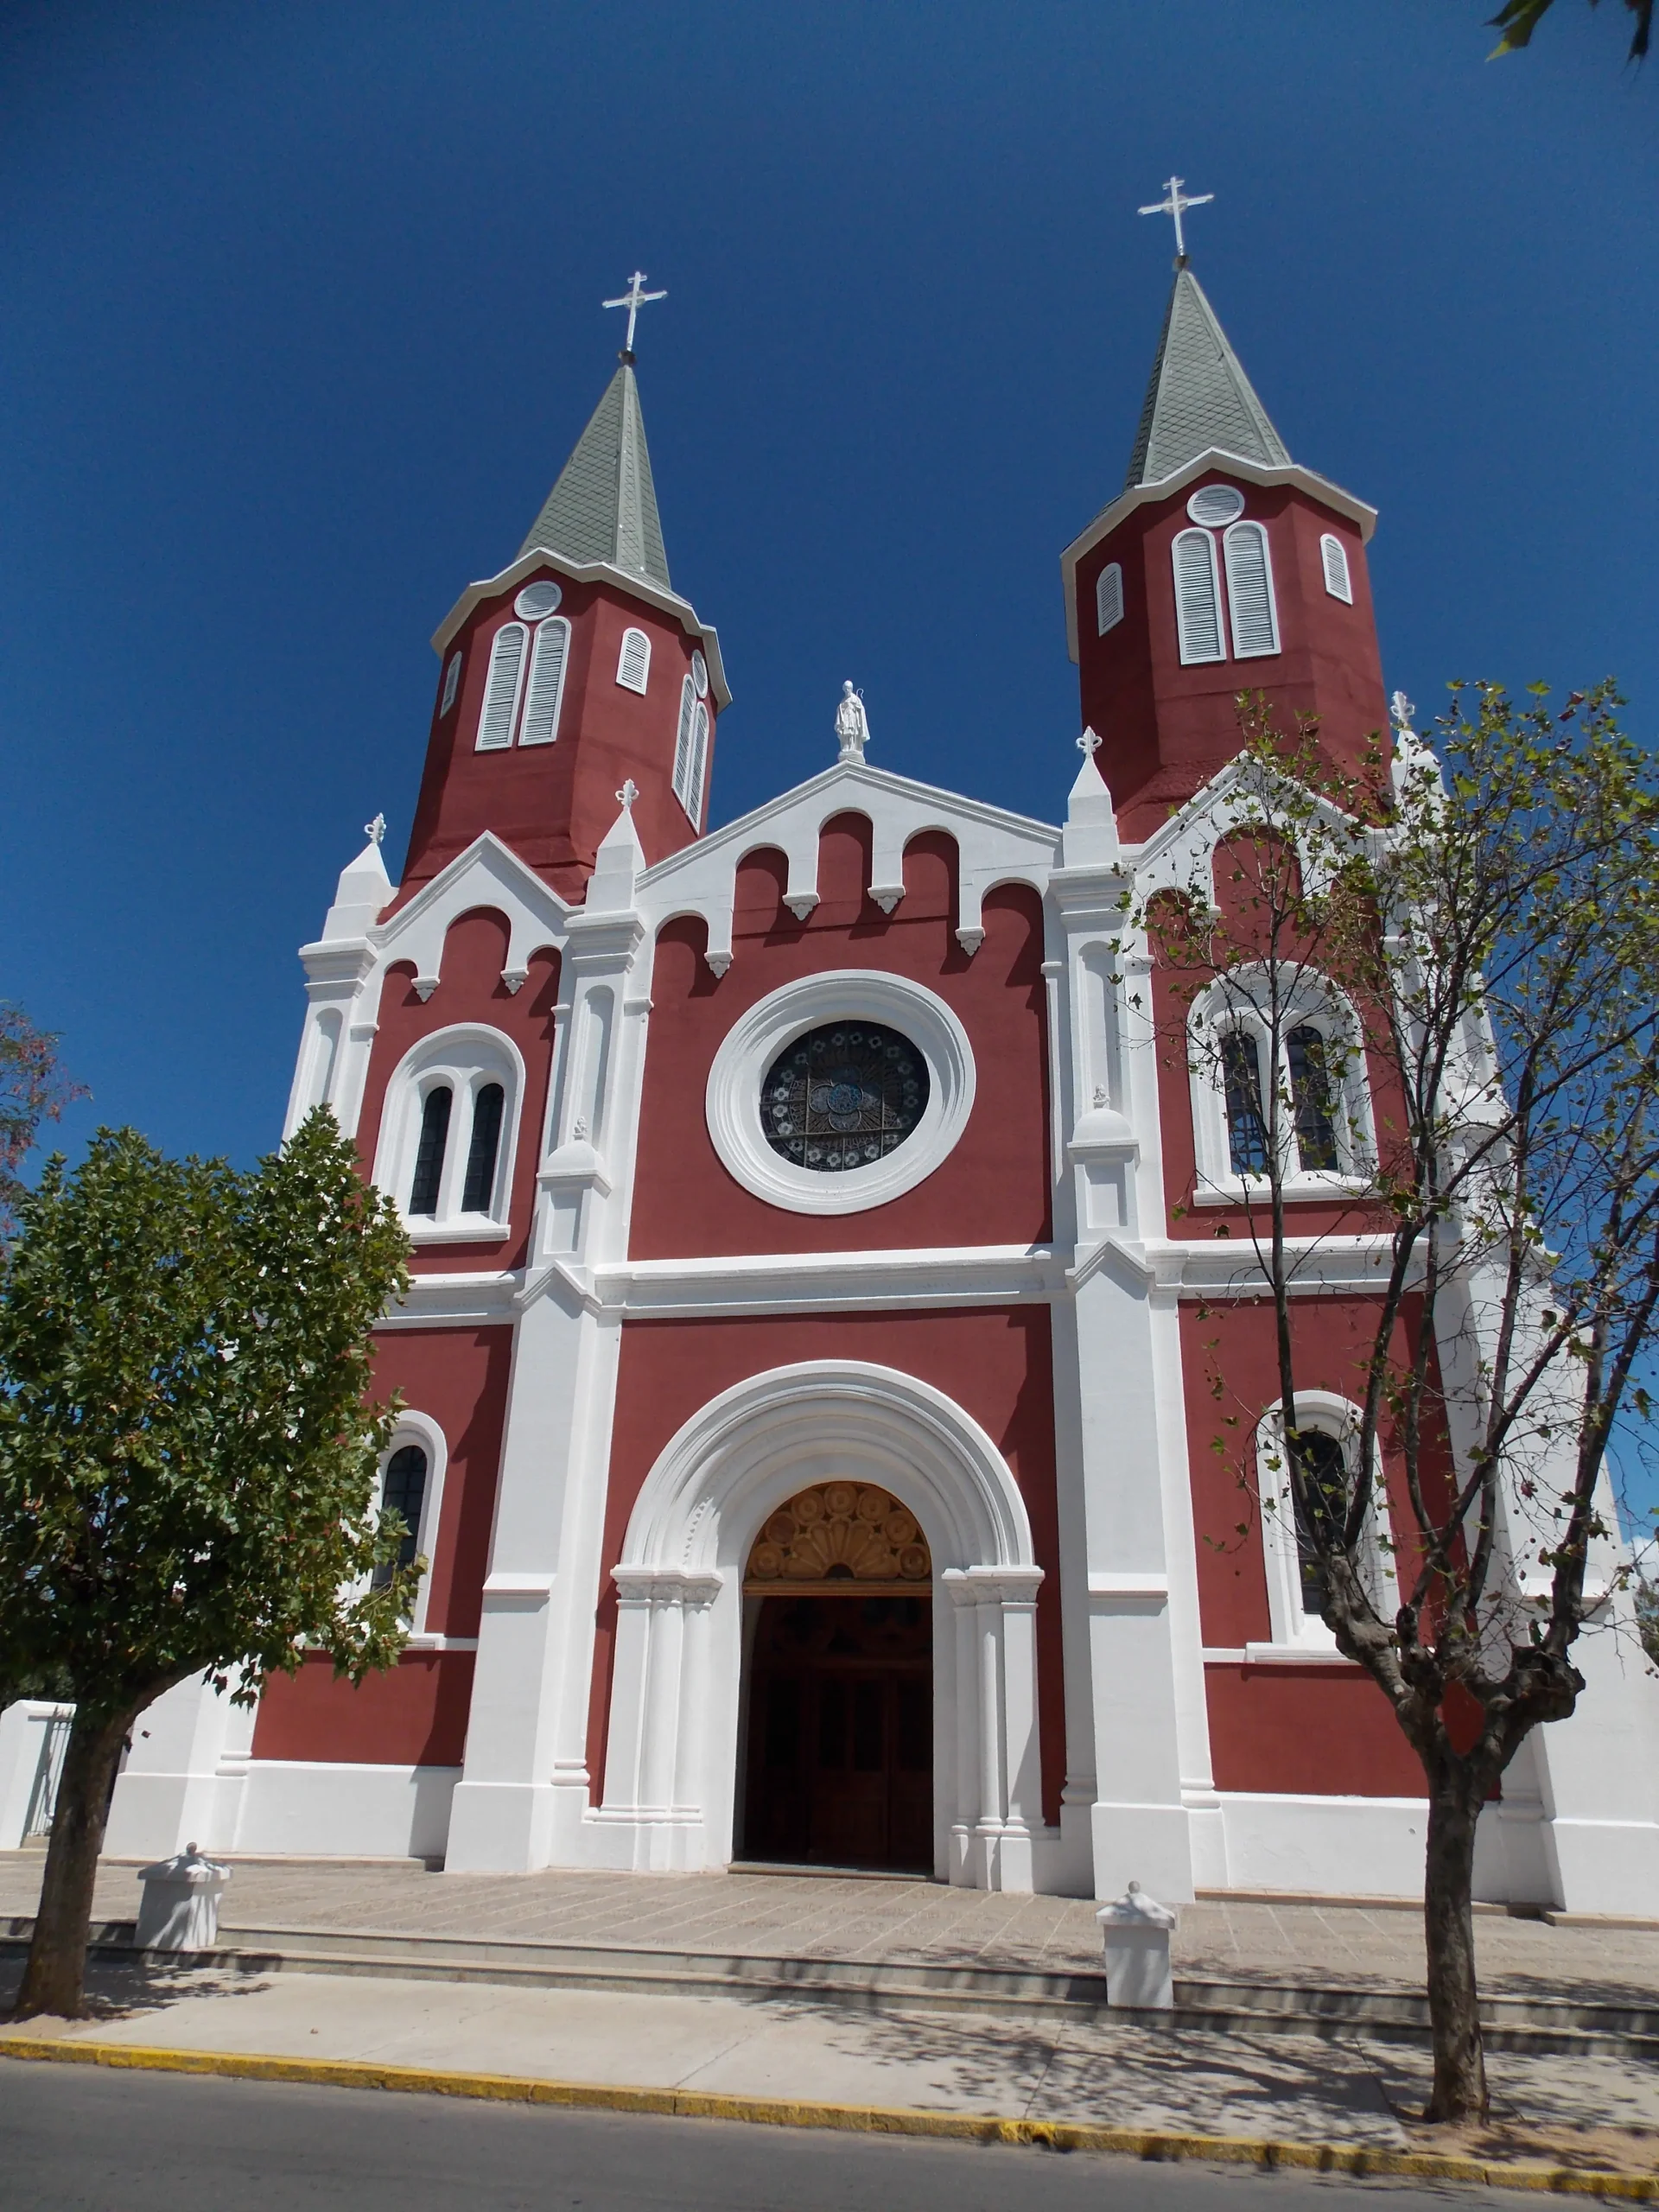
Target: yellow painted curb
859, 2120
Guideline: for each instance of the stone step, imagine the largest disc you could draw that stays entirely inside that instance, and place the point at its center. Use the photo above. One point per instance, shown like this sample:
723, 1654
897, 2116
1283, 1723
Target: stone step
1543, 2025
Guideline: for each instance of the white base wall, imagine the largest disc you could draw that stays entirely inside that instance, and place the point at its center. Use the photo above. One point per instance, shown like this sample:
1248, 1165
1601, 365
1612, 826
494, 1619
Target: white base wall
326, 1810
26, 1732
1325, 1846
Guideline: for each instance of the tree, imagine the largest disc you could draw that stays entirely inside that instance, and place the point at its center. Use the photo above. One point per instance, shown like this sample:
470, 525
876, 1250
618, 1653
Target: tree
1518, 19
1442, 998
187, 1456
32, 1087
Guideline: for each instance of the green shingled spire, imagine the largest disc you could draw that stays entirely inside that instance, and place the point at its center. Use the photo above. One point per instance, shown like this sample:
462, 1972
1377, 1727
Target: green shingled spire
604, 505
1198, 397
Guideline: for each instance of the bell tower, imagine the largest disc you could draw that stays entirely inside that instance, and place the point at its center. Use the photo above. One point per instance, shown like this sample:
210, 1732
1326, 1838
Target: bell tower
576, 669
1222, 567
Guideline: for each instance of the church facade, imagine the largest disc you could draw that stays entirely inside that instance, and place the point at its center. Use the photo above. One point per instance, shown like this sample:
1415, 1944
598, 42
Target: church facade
806, 1423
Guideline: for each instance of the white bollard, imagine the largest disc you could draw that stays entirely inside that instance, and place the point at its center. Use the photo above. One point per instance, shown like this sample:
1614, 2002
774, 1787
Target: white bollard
1135, 1932
179, 1907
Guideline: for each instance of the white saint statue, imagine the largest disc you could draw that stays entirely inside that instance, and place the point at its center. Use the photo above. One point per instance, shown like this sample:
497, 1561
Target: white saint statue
852, 723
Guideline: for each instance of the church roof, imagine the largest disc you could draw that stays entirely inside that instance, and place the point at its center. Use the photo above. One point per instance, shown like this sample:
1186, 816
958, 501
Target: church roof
1199, 398
604, 505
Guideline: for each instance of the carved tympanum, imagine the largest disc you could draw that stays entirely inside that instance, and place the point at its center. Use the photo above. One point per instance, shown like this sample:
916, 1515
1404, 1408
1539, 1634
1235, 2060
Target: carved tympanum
840, 1533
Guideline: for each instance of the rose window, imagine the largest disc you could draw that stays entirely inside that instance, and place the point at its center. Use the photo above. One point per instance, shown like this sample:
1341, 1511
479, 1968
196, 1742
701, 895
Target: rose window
843, 1095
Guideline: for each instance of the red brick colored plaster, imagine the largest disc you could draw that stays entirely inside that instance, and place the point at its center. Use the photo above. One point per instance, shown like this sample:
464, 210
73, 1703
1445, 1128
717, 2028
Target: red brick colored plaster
413, 1715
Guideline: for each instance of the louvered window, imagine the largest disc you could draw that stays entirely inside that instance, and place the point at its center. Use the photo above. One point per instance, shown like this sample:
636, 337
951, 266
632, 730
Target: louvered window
501, 688
1198, 597
451, 685
545, 689
1249, 592
699, 763
1334, 553
1108, 598
683, 745
485, 1143
428, 1159
633, 664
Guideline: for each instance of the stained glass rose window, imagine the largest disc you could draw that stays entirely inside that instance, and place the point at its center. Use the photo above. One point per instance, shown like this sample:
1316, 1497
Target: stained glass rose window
843, 1095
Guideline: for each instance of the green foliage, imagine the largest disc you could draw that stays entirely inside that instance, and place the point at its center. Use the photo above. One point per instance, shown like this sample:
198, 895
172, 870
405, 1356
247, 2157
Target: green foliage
187, 1454
1518, 19
32, 1088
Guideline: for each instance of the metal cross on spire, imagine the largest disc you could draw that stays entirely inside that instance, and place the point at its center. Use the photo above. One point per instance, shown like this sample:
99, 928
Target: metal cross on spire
1177, 205
633, 299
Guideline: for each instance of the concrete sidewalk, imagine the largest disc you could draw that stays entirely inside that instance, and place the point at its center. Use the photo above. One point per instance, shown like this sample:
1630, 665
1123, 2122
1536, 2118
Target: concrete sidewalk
1592, 2111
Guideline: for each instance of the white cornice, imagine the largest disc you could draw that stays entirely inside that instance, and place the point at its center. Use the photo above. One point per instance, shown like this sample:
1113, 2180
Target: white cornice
454, 1300
1139, 495
802, 1283
594, 572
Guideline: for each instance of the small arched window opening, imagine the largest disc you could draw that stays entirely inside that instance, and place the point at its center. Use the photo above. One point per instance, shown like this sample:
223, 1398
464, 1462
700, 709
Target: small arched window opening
544, 693
683, 747
451, 685
1297, 1529
402, 1492
1249, 591
501, 687
479, 1191
428, 1157
633, 662
1334, 558
1108, 598
1320, 1511
1198, 597
1247, 1127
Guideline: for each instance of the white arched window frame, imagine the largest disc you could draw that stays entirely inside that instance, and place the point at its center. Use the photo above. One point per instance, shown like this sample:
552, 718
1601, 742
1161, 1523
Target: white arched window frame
466, 1060
698, 774
1249, 591
683, 748
544, 691
451, 685
1233, 1008
501, 687
1198, 597
1295, 1630
1108, 598
426, 1434
1333, 559
633, 662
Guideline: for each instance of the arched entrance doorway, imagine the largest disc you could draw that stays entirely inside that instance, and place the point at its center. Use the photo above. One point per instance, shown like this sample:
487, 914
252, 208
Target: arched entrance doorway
839, 1692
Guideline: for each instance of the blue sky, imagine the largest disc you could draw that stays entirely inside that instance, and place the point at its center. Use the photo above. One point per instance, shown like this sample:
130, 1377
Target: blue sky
301, 317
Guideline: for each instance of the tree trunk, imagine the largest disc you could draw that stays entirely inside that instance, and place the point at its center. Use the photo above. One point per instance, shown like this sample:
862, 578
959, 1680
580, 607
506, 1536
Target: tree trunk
57, 1957
1459, 2092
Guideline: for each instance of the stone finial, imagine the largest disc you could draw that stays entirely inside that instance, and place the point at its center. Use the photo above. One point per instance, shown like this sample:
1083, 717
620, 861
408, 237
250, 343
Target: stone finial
1090, 839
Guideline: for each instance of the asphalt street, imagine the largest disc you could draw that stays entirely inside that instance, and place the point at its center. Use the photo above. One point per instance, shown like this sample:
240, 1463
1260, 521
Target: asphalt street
81, 2140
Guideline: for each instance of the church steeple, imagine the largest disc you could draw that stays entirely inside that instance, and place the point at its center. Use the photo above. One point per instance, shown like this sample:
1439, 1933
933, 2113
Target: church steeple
604, 505
1199, 399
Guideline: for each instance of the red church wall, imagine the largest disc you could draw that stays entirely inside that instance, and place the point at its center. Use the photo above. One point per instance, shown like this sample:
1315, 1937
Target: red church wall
416, 1713
552, 804
1168, 728
1269, 1722
996, 1364
993, 1189
470, 989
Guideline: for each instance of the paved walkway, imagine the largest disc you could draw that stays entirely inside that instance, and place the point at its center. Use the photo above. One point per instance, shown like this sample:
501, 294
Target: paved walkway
810, 1916
1590, 2110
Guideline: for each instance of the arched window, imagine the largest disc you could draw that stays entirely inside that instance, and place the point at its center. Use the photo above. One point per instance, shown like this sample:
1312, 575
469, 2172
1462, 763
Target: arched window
482, 1148
699, 763
1312, 1105
1249, 592
1295, 1530
633, 662
1108, 598
402, 1492
451, 685
428, 1158
683, 748
545, 690
1334, 558
1246, 1128
501, 687
1198, 597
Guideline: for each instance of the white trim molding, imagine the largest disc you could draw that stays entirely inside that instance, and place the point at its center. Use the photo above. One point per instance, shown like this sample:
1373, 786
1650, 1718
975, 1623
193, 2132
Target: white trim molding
1297, 1632
753, 1044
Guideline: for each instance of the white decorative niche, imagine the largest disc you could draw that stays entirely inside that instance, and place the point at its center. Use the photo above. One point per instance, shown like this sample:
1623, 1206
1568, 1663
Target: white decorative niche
733, 1102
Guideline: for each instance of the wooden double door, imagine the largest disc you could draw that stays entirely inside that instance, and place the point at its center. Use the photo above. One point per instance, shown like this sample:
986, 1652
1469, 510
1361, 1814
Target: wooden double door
840, 1750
